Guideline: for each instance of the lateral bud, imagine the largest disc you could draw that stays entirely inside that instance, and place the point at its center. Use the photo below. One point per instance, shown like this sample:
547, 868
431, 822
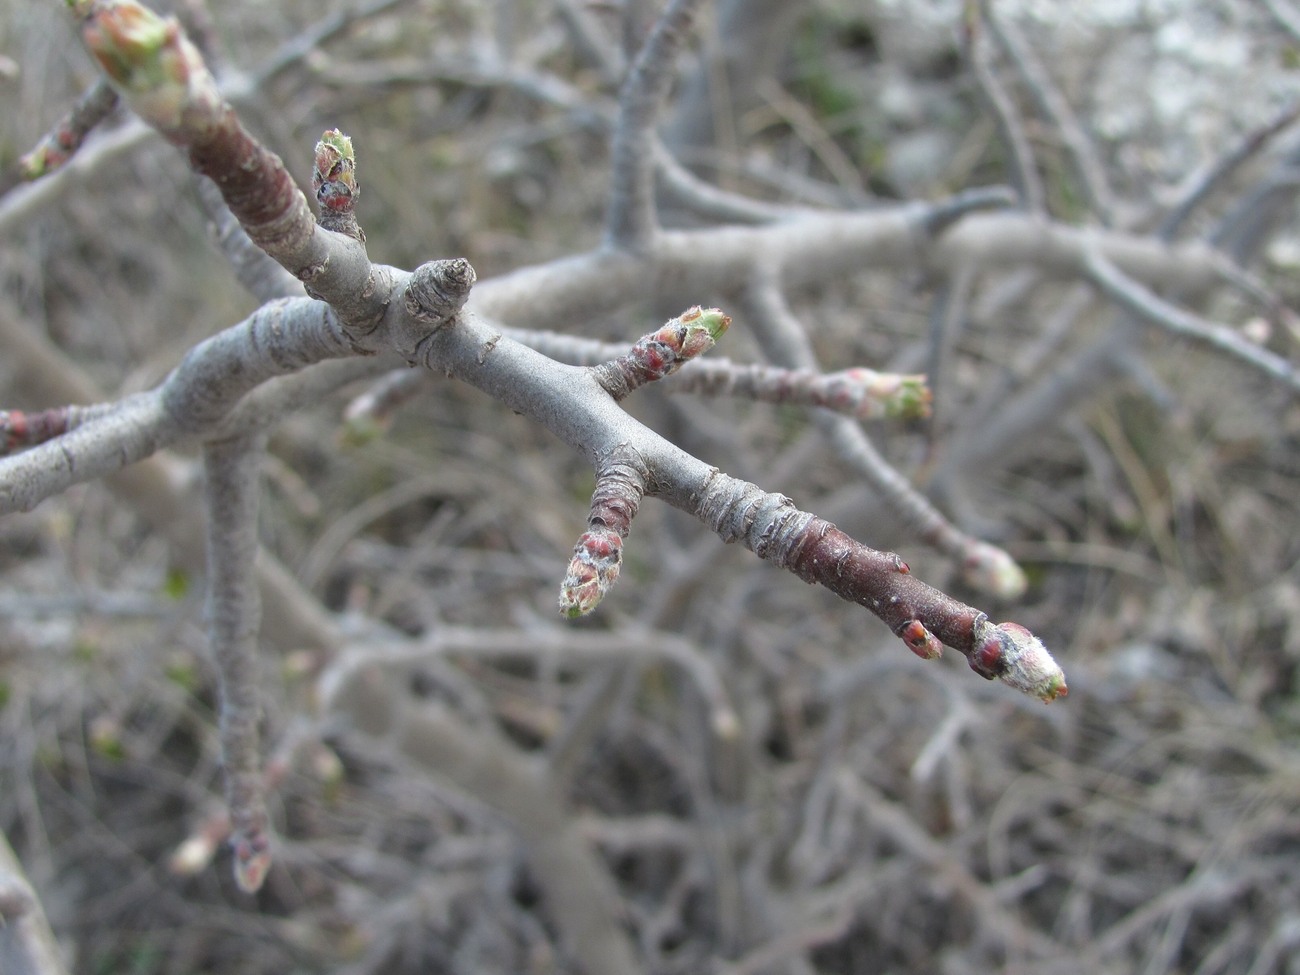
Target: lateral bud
334, 180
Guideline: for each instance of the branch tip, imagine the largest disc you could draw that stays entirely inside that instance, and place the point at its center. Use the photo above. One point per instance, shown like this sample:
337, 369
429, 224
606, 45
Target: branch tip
690, 334
334, 175
61, 142
991, 570
868, 394
598, 556
592, 572
252, 861
334, 180
1015, 656
148, 59
127, 40
661, 353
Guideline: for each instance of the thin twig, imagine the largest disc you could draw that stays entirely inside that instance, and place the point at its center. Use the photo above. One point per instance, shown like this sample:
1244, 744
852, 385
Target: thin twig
630, 219
20, 430
863, 393
579, 894
232, 483
813, 134
540, 643
27, 945
1081, 148
784, 338
594, 45
1020, 157
67, 136
1286, 15
707, 200
260, 274
1152, 308
948, 313
1224, 167
154, 488
313, 38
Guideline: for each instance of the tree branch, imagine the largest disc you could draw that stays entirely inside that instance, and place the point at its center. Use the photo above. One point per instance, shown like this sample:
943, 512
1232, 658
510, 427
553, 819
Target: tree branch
27, 945
985, 566
630, 219
231, 486
578, 893
63, 141
1152, 308
1020, 157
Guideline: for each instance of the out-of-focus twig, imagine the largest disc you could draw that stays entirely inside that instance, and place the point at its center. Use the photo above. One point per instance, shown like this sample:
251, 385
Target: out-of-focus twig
27, 945
1024, 170
57, 147
630, 217
578, 892
947, 318
21, 204
232, 483
594, 43
985, 565
1286, 15
1205, 183
1151, 307
1053, 104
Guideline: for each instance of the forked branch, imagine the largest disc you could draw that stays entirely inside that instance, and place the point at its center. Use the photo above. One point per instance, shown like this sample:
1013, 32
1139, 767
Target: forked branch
162, 76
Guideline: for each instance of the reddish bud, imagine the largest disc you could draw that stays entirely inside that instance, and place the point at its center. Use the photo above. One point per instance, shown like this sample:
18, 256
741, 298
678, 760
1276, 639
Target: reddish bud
920, 640
334, 178
252, 862
987, 659
593, 570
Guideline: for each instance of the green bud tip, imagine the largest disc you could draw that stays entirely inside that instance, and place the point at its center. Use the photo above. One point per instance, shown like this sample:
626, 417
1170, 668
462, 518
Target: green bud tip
128, 41
711, 320
914, 398
334, 172
339, 142
37, 163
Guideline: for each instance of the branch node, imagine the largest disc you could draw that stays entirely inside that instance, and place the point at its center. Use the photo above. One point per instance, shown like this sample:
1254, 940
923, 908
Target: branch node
438, 290
434, 295
310, 273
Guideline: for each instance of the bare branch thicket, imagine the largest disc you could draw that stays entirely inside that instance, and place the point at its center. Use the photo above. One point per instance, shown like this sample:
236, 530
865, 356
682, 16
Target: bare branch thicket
764, 898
